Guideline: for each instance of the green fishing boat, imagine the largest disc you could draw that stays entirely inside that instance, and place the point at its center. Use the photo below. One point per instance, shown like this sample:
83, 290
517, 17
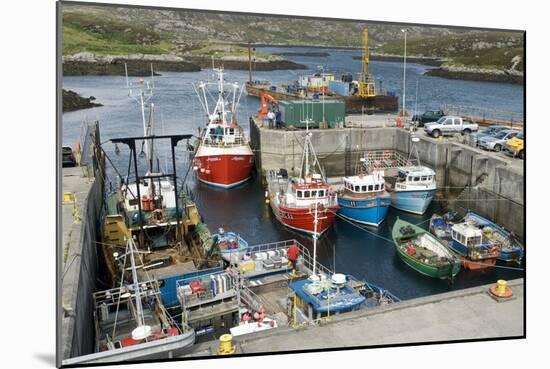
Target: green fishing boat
424, 252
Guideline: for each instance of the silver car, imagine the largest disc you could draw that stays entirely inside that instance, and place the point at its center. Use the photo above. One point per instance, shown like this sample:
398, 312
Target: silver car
496, 142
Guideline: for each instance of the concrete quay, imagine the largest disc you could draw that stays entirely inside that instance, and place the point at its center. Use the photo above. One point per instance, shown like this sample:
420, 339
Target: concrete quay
459, 315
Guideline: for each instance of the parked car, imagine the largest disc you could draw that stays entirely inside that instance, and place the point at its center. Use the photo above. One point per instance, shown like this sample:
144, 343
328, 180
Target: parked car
497, 142
490, 131
449, 125
516, 146
68, 159
429, 116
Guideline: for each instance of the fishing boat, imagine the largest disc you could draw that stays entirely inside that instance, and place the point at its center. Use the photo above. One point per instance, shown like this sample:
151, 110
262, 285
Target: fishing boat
364, 199
424, 252
223, 157
475, 250
304, 203
510, 249
232, 247
415, 184
131, 322
150, 208
325, 292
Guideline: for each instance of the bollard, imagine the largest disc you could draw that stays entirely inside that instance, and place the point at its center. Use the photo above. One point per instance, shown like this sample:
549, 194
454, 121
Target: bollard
226, 345
500, 290
67, 197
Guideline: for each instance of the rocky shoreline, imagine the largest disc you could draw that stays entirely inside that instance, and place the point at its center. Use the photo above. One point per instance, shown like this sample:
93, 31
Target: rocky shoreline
241, 63
305, 53
471, 74
140, 64
73, 101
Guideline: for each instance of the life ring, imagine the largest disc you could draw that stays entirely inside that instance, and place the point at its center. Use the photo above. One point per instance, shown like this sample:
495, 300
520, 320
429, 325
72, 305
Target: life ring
157, 216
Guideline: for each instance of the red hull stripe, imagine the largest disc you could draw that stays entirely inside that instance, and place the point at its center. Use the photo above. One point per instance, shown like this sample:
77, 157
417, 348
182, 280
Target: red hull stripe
302, 218
224, 170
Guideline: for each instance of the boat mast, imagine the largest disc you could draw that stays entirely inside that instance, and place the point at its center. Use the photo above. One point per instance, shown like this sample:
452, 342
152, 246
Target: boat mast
142, 96
139, 308
315, 220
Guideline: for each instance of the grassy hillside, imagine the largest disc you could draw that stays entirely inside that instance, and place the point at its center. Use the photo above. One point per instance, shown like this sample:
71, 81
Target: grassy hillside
102, 32
110, 30
474, 49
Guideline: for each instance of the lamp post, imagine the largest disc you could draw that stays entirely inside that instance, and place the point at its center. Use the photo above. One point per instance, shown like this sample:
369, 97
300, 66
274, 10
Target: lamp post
404, 66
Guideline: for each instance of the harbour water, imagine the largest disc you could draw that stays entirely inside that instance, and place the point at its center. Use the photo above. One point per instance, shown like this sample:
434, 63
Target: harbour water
348, 248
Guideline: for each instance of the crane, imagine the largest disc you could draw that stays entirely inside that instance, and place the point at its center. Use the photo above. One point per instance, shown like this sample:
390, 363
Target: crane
265, 98
366, 85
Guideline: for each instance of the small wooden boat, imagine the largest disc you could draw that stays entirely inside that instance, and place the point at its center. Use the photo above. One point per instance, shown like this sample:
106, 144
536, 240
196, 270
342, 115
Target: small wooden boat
424, 252
232, 247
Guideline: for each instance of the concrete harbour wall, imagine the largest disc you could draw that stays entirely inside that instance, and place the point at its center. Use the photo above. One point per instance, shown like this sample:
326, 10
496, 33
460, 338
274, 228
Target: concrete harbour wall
497, 181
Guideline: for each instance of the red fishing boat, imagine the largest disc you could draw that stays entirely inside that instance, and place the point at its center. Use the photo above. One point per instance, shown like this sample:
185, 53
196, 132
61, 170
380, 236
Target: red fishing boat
305, 203
223, 157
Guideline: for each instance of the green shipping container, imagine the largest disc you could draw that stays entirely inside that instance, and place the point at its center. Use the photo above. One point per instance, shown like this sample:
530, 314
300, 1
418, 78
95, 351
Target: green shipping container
294, 113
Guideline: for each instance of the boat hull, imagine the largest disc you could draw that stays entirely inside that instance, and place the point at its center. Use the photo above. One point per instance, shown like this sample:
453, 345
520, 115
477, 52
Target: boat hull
302, 219
166, 348
462, 250
415, 202
371, 212
224, 168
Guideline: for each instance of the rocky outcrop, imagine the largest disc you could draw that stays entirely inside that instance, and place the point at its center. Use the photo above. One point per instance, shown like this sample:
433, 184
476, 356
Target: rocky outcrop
138, 64
273, 62
477, 74
73, 101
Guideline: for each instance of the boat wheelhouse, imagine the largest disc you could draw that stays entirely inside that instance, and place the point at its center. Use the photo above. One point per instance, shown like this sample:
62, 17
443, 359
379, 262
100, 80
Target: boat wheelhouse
223, 157
476, 252
414, 189
364, 199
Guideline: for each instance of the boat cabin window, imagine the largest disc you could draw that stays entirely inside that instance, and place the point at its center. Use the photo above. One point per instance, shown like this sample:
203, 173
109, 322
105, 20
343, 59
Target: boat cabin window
370, 188
299, 194
231, 131
424, 178
357, 189
314, 193
306, 194
321, 193
376, 187
474, 241
416, 179
364, 188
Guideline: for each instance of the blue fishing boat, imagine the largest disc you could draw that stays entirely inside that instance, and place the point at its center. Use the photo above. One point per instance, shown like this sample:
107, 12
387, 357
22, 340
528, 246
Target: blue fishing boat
364, 199
232, 246
510, 249
414, 189
340, 293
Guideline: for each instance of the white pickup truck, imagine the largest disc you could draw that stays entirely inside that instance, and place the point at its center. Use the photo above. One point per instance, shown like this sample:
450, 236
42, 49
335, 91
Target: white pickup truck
449, 125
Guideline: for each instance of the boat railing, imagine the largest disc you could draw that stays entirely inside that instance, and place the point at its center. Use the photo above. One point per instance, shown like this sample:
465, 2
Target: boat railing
307, 263
385, 159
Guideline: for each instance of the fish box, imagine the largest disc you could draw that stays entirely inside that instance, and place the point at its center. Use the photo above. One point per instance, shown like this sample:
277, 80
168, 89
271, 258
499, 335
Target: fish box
247, 266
